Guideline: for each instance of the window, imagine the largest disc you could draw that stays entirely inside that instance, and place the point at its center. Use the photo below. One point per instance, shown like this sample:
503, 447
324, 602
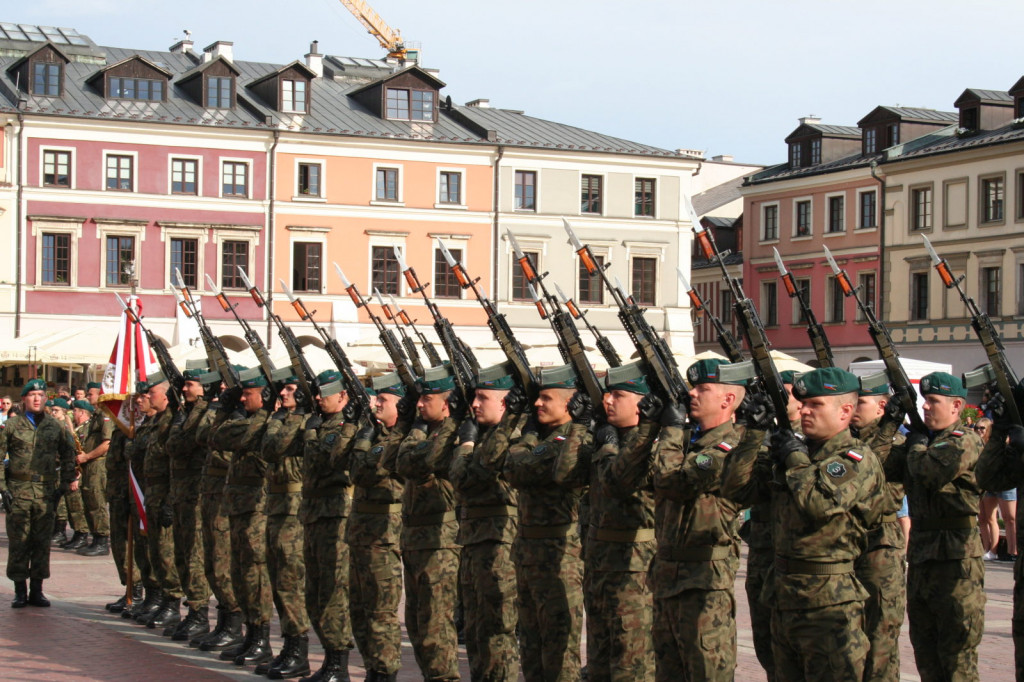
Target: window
120, 253
234, 255
726, 316
56, 259
218, 92
1020, 289
769, 304
309, 179
385, 270
892, 134
870, 144
422, 105
591, 290
645, 280
969, 118
445, 284
795, 155
387, 184
992, 200
183, 176
306, 266
868, 209
815, 152
836, 208
185, 258
526, 191
120, 172
919, 296
990, 290
144, 89
415, 105
590, 191
836, 301
1020, 194
56, 169
644, 202
451, 188
803, 218
235, 179
921, 208
804, 287
770, 223
46, 79
520, 288
868, 294
293, 96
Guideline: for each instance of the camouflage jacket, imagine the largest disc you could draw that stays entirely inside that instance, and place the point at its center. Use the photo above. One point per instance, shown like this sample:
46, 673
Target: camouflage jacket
218, 461
101, 428
488, 504
282, 448
550, 478
428, 505
326, 486
44, 451
135, 449
698, 541
880, 438
377, 511
941, 490
187, 453
117, 467
245, 489
1000, 465
157, 464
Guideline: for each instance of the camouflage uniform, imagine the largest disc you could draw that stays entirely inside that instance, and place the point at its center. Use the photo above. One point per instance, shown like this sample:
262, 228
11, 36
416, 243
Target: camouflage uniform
119, 499
41, 459
373, 534
945, 584
157, 489
549, 569
488, 525
430, 552
135, 453
216, 529
187, 457
282, 451
94, 474
71, 507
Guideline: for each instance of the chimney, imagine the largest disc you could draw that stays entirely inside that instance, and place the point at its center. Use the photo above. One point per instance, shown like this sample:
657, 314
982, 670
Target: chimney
722, 157
809, 119
221, 48
691, 153
183, 46
479, 104
315, 60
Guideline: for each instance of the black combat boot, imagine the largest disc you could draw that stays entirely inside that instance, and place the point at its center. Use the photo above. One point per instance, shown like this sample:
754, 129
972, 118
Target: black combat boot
77, 541
59, 533
336, 666
264, 667
259, 649
232, 652
100, 547
294, 659
141, 611
117, 606
196, 623
121, 604
198, 639
35, 593
20, 595
169, 613
230, 634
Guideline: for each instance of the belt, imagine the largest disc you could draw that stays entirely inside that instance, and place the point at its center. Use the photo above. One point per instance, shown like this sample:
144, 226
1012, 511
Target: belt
428, 519
216, 473
247, 480
612, 535
889, 518
784, 565
30, 478
546, 532
158, 480
488, 511
947, 523
329, 491
362, 507
285, 488
705, 553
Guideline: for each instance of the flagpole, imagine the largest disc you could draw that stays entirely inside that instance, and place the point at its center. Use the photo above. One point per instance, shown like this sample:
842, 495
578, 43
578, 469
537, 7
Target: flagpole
129, 559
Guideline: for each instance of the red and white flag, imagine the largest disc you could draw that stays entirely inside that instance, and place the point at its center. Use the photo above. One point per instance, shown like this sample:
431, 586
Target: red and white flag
140, 501
131, 360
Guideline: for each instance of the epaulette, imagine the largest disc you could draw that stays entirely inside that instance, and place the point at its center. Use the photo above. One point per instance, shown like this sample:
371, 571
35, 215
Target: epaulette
855, 456
724, 447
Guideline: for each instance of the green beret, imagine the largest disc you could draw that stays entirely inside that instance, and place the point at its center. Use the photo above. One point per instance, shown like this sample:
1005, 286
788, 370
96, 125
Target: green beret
389, 383
83, 405
558, 377
874, 384
943, 383
825, 381
194, 374
629, 377
789, 376
48, 403
94, 384
706, 372
33, 385
369, 391
61, 403
141, 387
437, 380
329, 383
497, 377
327, 376
252, 378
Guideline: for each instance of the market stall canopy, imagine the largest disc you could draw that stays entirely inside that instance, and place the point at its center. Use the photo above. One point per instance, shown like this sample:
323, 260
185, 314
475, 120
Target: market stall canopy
68, 346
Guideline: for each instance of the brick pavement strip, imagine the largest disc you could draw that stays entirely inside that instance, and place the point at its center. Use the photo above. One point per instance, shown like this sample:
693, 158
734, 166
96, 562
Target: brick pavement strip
76, 639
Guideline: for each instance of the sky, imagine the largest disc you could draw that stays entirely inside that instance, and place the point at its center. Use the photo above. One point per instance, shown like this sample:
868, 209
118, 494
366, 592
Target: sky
726, 77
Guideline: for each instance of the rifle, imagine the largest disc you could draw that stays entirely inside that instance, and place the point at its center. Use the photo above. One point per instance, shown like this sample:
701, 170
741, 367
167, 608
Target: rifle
407, 343
215, 352
163, 357
499, 326
660, 364
902, 389
251, 337
726, 338
356, 390
428, 347
604, 344
1001, 373
300, 367
819, 340
387, 337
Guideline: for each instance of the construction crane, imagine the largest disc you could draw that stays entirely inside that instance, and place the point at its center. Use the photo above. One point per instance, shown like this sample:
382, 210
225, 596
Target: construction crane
390, 39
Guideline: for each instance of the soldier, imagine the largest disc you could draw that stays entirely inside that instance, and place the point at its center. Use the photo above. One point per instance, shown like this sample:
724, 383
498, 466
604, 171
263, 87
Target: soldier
135, 453
245, 494
945, 583
825, 494
488, 525
70, 507
374, 531
94, 473
119, 500
544, 467
430, 552
41, 468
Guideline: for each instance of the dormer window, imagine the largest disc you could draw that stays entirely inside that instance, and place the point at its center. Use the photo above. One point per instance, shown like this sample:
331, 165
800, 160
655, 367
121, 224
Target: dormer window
142, 89
46, 78
870, 141
815, 152
410, 105
969, 118
795, 155
218, 92
892, 134
293, 96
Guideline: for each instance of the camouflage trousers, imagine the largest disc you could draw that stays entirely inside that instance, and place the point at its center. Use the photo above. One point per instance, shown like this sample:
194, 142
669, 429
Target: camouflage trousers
488, 580
72, 509
94, 495
550, 602
249, 566
217, 550
758, 563
188, 551
881, 573
376, 587
327, 582
140, 549
286, 568
161, 549
695, 636
29, 529
620, 618
431, 589
120, 518
826, 643
946, 610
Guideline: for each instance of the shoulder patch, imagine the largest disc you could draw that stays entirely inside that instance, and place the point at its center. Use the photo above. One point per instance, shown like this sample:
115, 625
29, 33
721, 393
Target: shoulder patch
724, 447
703, 462
855, 456
377, 449
940, 444
331, 438
539, 450
956, 432
836, 469
558, 439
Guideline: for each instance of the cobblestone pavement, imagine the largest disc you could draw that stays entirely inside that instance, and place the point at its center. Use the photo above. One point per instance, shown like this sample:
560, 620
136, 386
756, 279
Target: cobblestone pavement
76, 639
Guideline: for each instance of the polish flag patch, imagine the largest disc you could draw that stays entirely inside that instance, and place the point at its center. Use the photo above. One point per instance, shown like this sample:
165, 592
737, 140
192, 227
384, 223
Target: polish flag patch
855, 456
559, 439
724, 447
958, 432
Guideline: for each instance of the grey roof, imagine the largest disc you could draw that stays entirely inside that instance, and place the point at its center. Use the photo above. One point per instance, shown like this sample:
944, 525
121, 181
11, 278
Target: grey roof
782, 171
989, 95
715, 221
716, 196
735, 258
834, 130
915, 114
1012, 132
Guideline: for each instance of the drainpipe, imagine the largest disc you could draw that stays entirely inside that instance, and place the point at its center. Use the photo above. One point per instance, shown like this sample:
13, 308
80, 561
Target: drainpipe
497, 234
18, 220
881, 243
270, 238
